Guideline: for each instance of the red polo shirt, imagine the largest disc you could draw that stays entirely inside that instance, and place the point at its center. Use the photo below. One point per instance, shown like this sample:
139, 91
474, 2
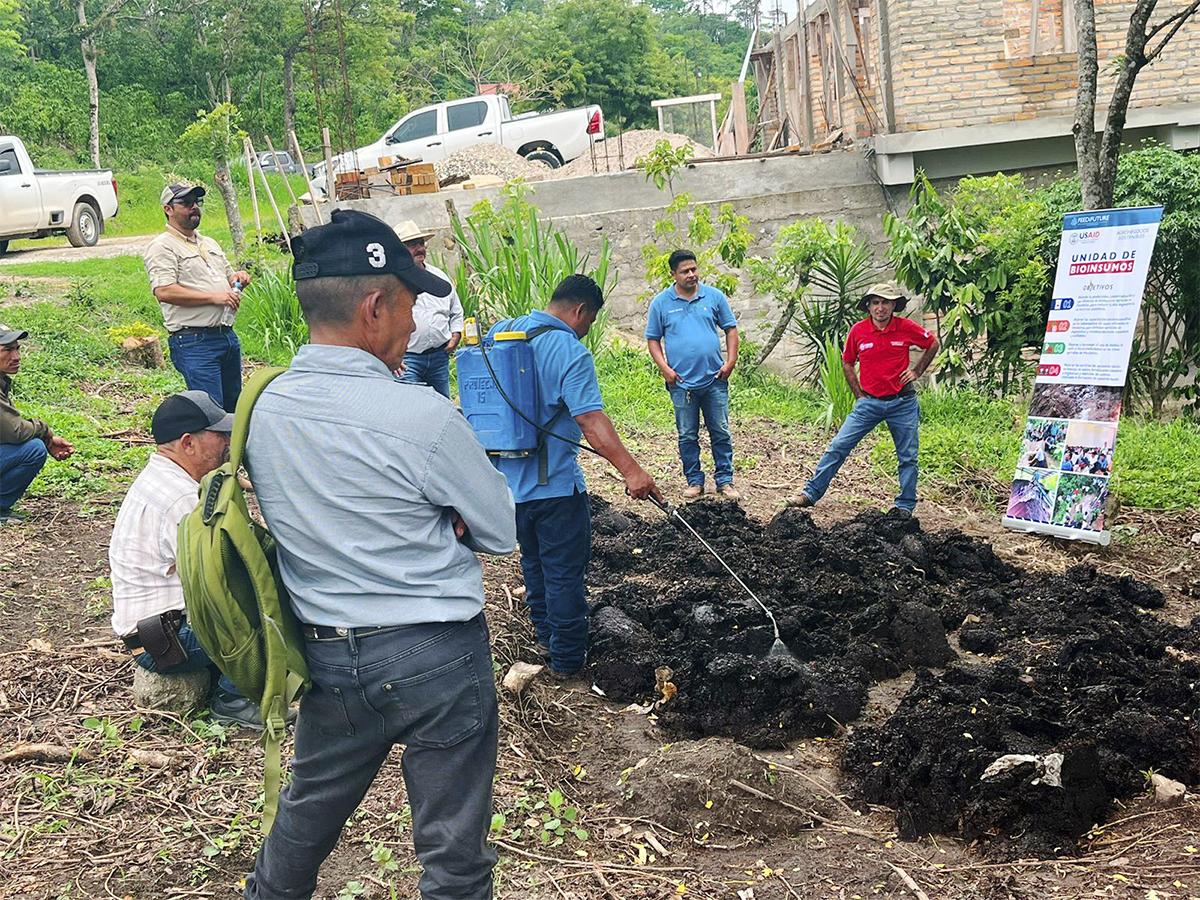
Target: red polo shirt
882, 355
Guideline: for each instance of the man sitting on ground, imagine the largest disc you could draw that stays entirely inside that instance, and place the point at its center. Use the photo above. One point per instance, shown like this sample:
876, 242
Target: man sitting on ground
24, 443
192, 434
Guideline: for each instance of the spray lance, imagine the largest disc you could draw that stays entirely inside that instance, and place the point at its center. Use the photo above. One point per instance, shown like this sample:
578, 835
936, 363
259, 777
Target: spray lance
778, 648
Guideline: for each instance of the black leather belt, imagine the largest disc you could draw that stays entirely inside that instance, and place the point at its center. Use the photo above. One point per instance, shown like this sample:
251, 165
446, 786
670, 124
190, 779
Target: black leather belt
200, 329
440, 348
906, 391
338, 633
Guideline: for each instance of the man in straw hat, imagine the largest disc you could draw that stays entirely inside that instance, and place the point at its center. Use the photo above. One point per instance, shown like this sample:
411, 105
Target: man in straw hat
439, 320
883, 388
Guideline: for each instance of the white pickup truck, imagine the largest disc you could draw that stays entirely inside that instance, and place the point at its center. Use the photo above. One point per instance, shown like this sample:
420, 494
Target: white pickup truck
35, 203
434, 132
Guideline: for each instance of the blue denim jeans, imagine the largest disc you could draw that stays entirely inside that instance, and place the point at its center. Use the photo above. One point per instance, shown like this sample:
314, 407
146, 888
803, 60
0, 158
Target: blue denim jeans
713, 401
556, 544
432, 368
19, 465
210, 361
903, 418
197, 661
429, 687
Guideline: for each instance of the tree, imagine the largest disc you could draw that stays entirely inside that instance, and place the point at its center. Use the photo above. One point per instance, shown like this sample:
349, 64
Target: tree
1097, 156
10, 31
215, 135
89, 29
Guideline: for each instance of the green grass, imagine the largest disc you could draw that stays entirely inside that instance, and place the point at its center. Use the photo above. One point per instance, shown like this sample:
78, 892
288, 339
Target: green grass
140, 213
73, 378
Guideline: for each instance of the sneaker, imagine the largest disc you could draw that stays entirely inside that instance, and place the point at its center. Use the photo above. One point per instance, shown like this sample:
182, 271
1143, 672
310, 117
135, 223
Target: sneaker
800, 500
728, 491
692, 491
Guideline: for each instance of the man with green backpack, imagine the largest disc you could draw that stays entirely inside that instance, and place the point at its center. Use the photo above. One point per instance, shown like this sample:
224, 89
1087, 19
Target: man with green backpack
378, 495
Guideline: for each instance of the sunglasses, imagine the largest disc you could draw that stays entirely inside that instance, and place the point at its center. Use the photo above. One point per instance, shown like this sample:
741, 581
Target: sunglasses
417, 242
186, 204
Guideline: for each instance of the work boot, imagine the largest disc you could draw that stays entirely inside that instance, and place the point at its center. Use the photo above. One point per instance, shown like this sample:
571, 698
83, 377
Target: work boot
728, 492
9, 516
239, 711
692, 491
566, 679
800, 501
542, 650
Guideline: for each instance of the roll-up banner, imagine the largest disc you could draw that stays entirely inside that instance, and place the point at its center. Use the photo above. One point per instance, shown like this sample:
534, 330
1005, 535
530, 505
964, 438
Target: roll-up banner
1066, 461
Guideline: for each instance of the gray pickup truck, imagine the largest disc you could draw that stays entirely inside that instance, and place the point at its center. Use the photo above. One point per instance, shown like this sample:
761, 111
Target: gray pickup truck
35, 203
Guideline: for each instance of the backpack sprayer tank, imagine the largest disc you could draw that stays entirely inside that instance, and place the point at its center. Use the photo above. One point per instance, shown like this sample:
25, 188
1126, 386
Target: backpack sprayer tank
499, 427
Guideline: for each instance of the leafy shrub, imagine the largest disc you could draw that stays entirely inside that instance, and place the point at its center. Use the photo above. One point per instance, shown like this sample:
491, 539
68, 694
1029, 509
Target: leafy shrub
509, 262
270, 321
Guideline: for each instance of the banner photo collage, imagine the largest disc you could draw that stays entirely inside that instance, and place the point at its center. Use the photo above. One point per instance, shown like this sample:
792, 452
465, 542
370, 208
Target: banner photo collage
1066, 459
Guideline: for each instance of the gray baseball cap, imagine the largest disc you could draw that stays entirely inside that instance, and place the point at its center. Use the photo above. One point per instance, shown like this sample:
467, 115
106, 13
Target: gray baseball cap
179, 190
9, 335
188, 412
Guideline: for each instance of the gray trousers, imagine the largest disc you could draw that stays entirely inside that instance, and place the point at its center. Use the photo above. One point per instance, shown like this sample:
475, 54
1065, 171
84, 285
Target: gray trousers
429, 687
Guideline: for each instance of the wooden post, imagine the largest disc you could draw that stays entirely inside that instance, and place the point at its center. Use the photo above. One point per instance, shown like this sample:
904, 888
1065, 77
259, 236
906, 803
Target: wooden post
780, 98
249, 154
885, 62
327, 146
737, 112
806, 82
270, 196
712, 114
312, 195
287, 182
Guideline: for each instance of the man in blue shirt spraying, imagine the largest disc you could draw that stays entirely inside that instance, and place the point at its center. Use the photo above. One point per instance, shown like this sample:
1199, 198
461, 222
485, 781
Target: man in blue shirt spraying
554, 525
687, 315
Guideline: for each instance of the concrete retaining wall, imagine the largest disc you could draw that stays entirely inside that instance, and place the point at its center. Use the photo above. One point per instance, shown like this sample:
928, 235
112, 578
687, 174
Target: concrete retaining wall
624, 207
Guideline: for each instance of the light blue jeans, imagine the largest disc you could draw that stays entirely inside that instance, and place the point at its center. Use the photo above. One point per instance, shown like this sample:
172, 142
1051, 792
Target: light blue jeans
903, 418
713, 401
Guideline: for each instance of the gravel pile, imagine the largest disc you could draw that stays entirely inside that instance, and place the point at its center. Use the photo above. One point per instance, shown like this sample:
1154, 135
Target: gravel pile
489, 159
611, 153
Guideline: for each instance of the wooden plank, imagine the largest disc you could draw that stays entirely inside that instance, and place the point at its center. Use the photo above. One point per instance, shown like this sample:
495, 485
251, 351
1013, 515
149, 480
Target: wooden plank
806, 87
327, 147
781, 108
246, 150
308, 181
741, 125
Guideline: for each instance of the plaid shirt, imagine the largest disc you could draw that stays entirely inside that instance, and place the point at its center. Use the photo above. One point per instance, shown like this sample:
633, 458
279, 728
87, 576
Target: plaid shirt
141, 554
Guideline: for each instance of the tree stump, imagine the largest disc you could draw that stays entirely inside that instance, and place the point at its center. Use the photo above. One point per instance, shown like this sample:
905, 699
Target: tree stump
146, 351
180, 694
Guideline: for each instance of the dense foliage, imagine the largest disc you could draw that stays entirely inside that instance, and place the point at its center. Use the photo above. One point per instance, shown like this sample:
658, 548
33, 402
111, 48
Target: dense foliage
159, 64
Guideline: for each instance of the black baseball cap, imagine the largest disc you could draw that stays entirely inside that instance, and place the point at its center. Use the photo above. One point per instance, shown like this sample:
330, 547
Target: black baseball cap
356, 243
188, 412
179, 190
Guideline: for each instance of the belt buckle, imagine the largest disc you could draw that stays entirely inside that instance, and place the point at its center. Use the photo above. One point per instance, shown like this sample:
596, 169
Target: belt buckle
341, 632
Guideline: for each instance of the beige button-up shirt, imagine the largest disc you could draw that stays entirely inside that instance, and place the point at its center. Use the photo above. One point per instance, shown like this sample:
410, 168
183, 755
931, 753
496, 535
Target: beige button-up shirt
197, 262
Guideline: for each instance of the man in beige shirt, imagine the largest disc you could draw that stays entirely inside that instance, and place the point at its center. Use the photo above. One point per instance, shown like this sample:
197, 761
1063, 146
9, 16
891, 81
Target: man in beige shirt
199, 293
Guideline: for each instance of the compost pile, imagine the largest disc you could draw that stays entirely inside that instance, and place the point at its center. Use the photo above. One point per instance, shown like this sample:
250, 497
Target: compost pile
1071, 690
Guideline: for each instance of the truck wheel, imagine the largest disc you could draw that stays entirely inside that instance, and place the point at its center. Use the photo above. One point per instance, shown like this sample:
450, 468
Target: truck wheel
547, 158
3, 247
85, 226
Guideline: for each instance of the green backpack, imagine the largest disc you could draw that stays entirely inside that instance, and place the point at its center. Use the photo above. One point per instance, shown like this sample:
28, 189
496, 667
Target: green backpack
236, 603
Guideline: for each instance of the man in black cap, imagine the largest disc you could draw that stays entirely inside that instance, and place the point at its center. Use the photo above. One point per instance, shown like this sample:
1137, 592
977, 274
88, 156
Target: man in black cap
379, 495
199, 293
24, 443
884, 390
192, 434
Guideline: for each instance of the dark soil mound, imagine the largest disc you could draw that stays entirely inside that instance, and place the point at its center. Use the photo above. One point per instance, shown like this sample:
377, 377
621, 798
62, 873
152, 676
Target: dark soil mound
1079, 669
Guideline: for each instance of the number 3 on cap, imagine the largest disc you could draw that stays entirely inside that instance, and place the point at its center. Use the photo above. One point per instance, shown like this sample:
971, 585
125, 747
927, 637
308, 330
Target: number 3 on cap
375, 255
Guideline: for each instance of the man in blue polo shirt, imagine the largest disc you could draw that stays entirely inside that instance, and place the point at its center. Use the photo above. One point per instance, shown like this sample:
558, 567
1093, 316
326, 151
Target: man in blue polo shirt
554, 524
687, 316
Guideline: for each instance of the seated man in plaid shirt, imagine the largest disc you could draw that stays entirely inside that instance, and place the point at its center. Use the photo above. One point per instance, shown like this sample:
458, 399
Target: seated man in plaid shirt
192, 434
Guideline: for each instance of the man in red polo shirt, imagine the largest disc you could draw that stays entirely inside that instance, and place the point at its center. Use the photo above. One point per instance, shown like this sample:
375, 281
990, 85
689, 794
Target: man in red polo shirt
884, 390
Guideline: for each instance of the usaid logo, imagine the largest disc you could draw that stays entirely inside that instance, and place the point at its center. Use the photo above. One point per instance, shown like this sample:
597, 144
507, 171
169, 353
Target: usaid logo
1084, 237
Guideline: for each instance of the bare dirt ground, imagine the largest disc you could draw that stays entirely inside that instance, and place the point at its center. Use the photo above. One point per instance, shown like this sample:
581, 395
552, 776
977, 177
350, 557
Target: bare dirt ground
52, 251
143, 805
